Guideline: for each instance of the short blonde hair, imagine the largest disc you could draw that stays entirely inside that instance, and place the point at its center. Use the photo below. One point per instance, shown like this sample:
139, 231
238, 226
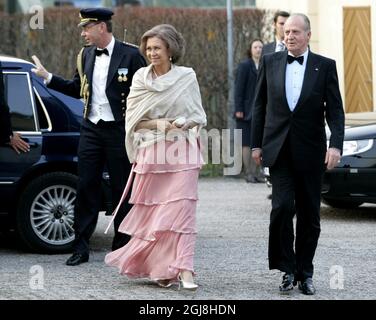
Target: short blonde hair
170, 36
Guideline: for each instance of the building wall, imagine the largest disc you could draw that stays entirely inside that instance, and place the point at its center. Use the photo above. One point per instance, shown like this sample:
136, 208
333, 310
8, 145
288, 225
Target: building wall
327, 28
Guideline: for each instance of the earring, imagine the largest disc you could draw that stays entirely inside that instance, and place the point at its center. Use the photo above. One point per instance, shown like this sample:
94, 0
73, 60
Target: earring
170, 58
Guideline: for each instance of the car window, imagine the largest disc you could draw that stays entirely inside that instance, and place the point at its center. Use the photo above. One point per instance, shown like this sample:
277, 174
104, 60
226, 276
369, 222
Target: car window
43, 117
20, 101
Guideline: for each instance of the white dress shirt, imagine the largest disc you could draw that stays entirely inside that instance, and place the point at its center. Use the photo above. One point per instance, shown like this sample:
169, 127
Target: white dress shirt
294, 80
100, 106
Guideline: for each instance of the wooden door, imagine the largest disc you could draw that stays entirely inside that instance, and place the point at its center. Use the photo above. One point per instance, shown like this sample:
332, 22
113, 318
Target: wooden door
358, 59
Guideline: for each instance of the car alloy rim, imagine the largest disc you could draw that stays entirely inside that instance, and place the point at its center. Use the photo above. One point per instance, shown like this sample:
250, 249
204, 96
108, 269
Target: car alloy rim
52, 216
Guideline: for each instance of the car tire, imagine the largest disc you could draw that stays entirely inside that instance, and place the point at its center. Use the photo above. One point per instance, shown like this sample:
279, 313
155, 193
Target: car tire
342, 204
45, 213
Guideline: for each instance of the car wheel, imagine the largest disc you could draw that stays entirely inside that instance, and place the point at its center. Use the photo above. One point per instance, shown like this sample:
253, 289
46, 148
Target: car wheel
45, 213
342, 204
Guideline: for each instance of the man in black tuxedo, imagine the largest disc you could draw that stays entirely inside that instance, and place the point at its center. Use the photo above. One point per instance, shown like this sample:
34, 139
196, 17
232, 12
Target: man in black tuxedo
278, 44
103, 80
296, 92
6, 134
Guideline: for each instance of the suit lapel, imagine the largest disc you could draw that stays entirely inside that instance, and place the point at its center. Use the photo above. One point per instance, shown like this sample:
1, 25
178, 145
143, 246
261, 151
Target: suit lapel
280, 74
89, 65
116, 58
310, 76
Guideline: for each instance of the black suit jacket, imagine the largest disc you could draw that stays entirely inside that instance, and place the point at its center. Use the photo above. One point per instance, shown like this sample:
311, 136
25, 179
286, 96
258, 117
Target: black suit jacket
5, 125
123, 56
269, 48
320, 99
245, 84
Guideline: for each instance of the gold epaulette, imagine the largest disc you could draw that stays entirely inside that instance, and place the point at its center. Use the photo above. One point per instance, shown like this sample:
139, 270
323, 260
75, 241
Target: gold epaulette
79, 63
84, 92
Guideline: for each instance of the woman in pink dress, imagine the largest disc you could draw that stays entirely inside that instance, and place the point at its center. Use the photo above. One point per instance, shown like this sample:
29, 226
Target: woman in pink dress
163, 119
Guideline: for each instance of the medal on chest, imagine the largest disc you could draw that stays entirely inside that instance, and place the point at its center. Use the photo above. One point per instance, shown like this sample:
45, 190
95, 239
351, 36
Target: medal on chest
122, 74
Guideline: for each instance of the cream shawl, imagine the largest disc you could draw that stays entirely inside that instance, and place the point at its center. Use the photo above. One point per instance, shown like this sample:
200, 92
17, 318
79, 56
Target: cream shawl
173, 95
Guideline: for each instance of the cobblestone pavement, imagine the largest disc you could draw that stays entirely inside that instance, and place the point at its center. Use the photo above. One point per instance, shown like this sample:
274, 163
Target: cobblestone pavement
231, 256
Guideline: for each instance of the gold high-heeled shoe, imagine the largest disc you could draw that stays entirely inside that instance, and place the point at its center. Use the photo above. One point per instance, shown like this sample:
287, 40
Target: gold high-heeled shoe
185, 284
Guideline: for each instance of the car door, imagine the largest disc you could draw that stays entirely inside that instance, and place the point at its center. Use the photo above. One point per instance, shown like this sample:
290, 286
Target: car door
20, 97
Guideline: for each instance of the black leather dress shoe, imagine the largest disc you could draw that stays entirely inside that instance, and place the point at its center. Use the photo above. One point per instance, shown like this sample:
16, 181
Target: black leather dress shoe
254, 179
251, 179
287, 283
307, 287
260, 179
77, 258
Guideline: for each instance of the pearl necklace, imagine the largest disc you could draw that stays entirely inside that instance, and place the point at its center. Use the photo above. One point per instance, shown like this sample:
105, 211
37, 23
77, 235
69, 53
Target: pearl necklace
156, 75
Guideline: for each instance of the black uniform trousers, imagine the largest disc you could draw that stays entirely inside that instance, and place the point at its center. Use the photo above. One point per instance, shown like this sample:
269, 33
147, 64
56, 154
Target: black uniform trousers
294, 192
100, 144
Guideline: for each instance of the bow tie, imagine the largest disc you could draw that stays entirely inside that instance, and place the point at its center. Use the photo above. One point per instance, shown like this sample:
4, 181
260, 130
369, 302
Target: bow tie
291, 59
99, 52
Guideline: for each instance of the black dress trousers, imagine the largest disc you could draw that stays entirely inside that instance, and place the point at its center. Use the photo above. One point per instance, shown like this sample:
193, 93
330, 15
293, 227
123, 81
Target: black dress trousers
295, 192
100, 144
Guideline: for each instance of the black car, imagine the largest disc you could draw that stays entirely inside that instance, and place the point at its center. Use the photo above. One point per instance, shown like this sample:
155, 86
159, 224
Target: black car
38, 188
353, 181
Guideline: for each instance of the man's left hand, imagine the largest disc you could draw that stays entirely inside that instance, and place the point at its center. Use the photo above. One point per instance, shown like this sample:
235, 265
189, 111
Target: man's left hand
18, 144
332, 158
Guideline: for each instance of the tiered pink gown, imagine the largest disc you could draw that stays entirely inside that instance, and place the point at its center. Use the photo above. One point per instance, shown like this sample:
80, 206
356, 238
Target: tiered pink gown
162, 222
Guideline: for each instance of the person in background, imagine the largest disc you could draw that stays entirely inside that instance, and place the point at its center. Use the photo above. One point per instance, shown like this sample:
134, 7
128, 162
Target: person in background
245, 84
7, 136
278, 44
